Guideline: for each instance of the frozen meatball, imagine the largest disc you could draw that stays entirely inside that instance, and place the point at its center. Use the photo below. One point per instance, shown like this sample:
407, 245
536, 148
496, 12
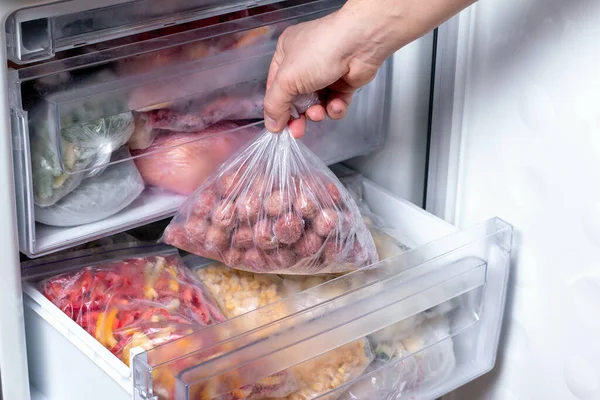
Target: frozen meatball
277, 203
233, 257
216, 239
176, 235
224, 216
325, 222
264, 236
259, 186
288, 229
255, 260
229, 183
334, 193
331, 252
309, 244
204, 203
305, 204
243, 237
281, 258
347, 224
248, 208
197, 228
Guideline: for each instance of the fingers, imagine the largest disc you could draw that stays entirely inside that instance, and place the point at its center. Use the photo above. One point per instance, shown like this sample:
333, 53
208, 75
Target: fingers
298, 127
316, 113
278, 102
337, 104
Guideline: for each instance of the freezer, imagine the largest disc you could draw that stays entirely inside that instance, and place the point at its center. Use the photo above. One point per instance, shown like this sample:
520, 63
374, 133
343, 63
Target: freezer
104, 102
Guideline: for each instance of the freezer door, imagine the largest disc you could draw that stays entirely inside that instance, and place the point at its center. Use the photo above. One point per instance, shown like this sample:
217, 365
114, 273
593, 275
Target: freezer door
519, 132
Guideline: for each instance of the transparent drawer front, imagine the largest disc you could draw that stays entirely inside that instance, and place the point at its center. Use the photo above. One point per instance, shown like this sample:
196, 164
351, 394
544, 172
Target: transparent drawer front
422, 323
135, 107
39, 33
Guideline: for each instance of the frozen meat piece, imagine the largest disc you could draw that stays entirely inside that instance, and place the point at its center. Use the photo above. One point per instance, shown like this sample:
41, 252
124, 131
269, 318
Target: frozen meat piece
329, 236
97, 197
180, 162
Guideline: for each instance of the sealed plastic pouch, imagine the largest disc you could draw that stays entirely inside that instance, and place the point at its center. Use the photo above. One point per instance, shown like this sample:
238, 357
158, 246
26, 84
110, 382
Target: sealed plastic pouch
180, 162
140, 300
97, 197
274, 208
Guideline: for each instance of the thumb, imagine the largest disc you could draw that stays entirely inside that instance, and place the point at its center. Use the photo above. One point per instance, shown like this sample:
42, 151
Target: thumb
278, 103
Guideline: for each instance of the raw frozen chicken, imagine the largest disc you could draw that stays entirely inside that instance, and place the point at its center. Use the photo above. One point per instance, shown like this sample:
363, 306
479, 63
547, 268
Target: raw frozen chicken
180, 162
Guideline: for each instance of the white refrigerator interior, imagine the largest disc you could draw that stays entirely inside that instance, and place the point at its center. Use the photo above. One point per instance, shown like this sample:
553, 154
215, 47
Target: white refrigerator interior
451, 276
530, 153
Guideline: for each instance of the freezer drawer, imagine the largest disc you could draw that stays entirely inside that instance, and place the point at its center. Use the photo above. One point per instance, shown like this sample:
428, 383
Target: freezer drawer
201, 88
421, 323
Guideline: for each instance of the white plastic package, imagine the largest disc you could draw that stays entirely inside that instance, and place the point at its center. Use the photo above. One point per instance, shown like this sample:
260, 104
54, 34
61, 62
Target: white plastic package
409, 358
97, 197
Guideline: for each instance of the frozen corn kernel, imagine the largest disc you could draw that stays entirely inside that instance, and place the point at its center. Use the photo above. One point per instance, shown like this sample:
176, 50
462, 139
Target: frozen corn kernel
331, 370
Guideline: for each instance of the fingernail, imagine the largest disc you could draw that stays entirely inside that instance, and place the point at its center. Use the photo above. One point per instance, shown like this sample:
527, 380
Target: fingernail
337, 110
271, 124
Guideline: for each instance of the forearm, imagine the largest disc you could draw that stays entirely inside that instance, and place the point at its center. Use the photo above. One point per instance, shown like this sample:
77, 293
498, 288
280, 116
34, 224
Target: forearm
384, 26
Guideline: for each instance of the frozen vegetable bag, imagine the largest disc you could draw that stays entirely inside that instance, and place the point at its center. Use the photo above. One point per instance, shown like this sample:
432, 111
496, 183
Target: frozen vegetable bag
274, 207
142, 298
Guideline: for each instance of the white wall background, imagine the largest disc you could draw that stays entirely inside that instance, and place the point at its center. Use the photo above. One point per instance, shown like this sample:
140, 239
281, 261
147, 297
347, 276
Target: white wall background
531, 155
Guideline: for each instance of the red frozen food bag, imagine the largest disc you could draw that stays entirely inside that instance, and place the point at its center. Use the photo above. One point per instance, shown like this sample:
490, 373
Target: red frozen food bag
180, 162
274, 208
134, 302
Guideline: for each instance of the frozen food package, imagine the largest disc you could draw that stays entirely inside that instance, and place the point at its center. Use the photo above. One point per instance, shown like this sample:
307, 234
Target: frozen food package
275, 208
180, 162
239, 292
137, 301
59, 166
408, 358
97, 197
321, 376
233, 103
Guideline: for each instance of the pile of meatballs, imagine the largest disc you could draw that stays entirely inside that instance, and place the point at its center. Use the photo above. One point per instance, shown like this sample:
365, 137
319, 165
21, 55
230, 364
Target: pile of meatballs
302, 224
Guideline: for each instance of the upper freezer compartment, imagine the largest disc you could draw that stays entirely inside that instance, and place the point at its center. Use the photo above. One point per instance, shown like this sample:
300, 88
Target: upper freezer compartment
126, 109
39, 33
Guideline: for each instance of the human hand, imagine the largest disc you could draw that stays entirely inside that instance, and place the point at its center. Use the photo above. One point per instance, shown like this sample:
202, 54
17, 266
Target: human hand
338, 54
321, 56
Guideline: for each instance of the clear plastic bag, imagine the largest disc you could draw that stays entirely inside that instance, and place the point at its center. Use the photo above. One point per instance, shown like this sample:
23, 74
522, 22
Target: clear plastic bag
97, 197
274, 208
180, 162
239, 292
140, 301
413, 362
56, 167
324, 374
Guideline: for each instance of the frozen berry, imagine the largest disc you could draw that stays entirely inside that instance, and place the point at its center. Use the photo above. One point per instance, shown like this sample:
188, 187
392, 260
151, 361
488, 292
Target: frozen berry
277, 203
288, 229
248, 208
243, 237
264, 236
204, 203
325, 222
255, 260
281, 258
224, 216
305, 204
233, 257
216, 239
309, 244
197, 228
